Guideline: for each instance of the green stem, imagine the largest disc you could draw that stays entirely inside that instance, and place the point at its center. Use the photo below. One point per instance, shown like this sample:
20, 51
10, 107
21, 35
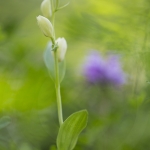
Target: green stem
57, 82
53, 20
57, 87
57, 4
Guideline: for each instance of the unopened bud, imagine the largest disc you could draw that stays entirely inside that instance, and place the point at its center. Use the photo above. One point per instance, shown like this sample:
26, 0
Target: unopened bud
46, 8
45, 26
62, 48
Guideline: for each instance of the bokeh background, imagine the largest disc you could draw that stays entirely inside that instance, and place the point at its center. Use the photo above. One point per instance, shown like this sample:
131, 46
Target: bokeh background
119, 118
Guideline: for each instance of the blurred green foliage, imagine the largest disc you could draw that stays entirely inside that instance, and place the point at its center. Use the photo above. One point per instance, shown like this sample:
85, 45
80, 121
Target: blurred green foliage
118, 118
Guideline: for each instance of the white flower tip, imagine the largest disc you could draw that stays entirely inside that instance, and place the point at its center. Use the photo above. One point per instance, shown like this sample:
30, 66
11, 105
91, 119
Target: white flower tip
38, 18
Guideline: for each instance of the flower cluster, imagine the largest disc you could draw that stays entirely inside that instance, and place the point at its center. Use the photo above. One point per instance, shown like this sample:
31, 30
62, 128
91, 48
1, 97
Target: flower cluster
48, 29
98, 70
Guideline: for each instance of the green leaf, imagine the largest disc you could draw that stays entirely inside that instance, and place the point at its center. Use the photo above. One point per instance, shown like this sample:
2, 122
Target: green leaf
70, 130
4, 121
50, 63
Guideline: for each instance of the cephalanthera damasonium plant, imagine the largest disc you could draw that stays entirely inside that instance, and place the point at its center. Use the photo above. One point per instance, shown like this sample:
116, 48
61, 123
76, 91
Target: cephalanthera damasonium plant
54, 56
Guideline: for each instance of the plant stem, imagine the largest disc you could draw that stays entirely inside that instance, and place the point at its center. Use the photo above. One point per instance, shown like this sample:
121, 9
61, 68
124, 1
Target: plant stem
57, 87
53, 20
57, 4
57, 82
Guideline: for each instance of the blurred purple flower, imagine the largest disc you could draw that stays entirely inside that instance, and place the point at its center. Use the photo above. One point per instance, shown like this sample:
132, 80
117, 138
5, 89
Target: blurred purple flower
97, 70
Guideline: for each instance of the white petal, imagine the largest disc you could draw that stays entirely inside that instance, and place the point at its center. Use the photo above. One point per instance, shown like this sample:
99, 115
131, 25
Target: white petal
45, 26
46, 8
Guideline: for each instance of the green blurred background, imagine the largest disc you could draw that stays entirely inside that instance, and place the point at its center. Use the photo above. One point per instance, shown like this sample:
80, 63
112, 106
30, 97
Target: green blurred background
119, 119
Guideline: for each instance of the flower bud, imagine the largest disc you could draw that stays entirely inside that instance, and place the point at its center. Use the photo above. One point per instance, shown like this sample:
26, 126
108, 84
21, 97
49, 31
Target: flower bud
45, 26
46, 8
62, 48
